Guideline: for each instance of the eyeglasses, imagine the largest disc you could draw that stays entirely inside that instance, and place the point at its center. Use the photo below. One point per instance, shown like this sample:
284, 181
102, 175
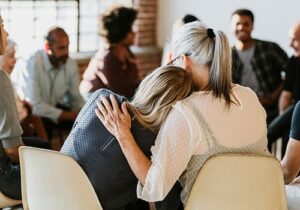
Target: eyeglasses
173, 60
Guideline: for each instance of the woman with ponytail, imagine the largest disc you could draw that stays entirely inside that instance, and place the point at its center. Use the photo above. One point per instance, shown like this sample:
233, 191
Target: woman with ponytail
220, 117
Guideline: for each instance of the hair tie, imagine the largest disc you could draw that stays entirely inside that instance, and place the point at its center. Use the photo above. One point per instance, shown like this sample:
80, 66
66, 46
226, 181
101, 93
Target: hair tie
211, 33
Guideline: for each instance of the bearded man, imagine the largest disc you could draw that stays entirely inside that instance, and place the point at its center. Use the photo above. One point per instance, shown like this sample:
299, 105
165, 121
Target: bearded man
51, 80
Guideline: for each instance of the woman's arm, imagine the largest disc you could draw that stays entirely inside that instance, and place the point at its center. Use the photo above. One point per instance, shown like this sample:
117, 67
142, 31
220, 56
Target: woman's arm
118, 122
291, 161
174, 146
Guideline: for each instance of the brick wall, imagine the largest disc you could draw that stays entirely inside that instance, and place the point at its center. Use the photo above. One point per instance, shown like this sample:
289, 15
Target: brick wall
148, 58
148, 55
145, 24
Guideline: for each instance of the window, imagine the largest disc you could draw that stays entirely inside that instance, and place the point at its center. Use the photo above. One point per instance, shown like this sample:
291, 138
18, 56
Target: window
28, 21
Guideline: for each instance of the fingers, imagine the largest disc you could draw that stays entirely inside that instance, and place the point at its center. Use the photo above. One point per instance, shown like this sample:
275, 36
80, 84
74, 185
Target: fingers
101, 108
103, 116
124, 109
114, 118
99, 115
115, 105
111, 111
106, 104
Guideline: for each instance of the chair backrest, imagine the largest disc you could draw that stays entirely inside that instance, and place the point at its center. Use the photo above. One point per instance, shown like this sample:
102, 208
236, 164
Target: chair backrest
52, 180
8, 202
238, 182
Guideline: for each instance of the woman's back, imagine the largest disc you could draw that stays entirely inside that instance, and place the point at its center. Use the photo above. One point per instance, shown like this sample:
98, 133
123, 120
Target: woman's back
239, 129
240, 124
201, 126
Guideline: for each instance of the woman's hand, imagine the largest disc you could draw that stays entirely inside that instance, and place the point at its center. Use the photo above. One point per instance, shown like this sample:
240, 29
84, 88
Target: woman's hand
116, 121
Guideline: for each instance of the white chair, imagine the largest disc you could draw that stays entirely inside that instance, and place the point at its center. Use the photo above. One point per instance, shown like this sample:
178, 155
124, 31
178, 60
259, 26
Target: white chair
8, 202
239, 182
52, 180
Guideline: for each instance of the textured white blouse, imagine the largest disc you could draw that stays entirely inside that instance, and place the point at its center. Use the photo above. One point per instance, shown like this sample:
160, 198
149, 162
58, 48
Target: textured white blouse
197, 128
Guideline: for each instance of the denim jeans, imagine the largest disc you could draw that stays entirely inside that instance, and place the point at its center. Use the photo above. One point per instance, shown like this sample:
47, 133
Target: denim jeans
10, 179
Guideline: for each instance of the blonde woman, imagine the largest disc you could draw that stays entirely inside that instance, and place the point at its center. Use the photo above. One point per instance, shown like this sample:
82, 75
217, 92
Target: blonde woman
219, 118
99, 153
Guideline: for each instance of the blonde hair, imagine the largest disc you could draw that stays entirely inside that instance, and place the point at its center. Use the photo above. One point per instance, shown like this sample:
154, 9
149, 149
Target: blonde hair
157, 93
193, 39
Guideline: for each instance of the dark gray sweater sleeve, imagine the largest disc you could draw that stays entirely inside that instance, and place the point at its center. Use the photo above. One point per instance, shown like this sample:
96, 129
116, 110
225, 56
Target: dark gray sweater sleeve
10, 129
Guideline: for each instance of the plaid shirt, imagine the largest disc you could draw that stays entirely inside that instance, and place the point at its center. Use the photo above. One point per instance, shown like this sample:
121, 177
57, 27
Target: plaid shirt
267, 63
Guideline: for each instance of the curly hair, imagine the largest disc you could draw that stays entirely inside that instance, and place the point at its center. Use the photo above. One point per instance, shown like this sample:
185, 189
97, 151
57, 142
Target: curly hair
116, 23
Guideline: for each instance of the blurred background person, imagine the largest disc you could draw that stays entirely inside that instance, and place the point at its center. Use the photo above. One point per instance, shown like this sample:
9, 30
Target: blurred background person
32, 125
51, 81
166, 55
113, 67
280, 126
291, 162
10, 132
257, 64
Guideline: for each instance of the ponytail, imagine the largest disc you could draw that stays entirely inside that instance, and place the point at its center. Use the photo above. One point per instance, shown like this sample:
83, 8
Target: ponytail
220, 68
209, 47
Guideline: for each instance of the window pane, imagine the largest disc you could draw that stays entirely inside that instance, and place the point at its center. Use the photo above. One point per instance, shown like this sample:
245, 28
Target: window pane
36, 17
73, 42
88, 25
28, 21
89, 13
90, 8
89, 42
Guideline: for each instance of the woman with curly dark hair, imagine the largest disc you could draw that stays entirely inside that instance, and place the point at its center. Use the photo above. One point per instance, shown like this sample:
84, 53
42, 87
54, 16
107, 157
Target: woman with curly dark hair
114, 66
